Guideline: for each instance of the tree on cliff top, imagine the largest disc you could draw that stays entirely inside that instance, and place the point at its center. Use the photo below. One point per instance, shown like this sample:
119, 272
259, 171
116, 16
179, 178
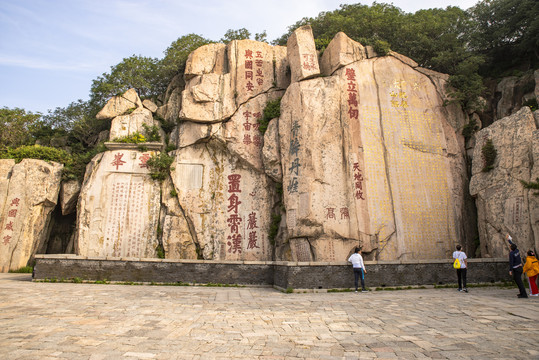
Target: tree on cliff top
506, 32
177, 53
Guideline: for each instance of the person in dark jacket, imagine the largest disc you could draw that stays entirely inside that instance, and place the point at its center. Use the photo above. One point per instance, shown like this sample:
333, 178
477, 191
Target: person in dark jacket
515, 269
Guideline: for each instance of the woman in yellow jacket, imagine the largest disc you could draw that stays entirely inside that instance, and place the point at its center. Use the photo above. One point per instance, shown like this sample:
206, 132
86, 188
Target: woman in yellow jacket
531, 268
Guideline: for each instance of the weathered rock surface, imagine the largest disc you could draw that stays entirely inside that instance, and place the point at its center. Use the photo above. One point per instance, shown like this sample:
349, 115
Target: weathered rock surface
178, 236
302, 54
125, 125
119, 206
207, 98
118, 105
28, 195
228, 204
271, 152
148, 104
367, 157
340, 52
69, 195
503, 204
207, 59
241, 133
219, 81
512, 92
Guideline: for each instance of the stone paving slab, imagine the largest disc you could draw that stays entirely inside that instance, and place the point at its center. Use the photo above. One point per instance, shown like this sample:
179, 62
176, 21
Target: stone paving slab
96, 322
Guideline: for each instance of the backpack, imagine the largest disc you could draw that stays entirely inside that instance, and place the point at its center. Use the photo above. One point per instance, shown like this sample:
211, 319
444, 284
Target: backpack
456, 264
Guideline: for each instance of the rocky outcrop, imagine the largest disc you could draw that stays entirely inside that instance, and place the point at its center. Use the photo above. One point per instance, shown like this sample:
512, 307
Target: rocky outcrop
136, 122
340, 52
69, 195
28, 195
220, 79
365, 155
228, 203
118, 105
119, 206
503, 204
302, 54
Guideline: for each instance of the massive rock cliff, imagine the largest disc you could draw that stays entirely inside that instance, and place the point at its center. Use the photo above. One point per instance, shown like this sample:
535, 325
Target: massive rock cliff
364, 151
367, 151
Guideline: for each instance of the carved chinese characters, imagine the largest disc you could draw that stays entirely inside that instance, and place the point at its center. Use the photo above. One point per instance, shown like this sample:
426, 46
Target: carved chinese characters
119, 207
11, 214
28, 194
234, 221
230, 209
302, 54
242, 133
404, 170
317, 188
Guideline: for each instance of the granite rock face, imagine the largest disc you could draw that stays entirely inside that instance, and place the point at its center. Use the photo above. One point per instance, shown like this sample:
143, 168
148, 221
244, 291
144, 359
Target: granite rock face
504, 206
227, 201
118, 105
302, 54
28, 194
365, 155
119, 207
220, 78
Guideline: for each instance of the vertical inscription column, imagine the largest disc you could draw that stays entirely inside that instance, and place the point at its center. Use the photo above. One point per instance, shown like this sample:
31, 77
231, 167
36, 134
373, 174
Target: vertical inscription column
234, 219
357, 160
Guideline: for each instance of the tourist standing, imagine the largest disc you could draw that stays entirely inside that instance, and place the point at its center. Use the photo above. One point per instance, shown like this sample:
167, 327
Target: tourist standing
359, 269
515, 267
461, 272
531, 269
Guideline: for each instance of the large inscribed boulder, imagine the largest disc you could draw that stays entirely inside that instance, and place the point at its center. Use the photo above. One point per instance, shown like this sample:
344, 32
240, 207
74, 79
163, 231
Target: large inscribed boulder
367, 157
302, 54
228, 203
219, 81
504, 206
119, 205
28, 195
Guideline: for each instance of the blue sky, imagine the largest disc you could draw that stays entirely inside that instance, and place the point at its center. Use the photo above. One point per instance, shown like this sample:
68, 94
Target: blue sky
51, 50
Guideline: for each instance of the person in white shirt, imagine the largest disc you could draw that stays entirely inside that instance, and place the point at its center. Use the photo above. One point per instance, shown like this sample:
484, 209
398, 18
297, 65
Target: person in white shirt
359, 269
461, 273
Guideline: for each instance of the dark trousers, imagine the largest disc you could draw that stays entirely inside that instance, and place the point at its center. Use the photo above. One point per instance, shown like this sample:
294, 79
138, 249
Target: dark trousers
358, 274
517, 276
461, 276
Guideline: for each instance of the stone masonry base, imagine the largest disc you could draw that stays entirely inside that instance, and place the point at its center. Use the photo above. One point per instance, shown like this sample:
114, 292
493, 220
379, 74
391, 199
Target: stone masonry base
280, 274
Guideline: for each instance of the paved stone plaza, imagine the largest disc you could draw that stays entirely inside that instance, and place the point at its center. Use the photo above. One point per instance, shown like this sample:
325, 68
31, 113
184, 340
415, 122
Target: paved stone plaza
89, 321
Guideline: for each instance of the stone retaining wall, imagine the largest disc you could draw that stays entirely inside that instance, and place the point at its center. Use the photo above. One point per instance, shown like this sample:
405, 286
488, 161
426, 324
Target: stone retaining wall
295, 275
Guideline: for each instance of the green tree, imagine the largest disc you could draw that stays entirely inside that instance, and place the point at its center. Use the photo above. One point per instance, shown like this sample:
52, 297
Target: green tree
144, 74
262, 37
507, 33
240, 34
17, 126
78, 120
